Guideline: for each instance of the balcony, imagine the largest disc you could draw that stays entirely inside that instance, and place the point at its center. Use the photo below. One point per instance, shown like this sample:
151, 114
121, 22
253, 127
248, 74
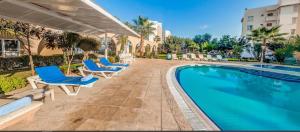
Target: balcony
271, 18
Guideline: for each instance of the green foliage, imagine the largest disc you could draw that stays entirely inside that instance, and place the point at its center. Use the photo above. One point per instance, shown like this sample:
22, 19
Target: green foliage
237, 50
257, 50
266, 35
283, 53
208, 46
73, 67
8, 84
200, 39
22, 62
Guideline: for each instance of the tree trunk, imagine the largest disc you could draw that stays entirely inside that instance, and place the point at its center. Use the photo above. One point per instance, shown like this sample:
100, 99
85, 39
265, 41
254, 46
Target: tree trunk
263, 51
30, 56
70, 59
142, 46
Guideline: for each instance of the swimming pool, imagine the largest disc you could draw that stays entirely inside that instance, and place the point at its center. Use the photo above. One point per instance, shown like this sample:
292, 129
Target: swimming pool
284, 68
236, 100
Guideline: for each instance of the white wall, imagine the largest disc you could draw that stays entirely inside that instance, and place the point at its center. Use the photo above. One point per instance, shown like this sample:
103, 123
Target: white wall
286, 17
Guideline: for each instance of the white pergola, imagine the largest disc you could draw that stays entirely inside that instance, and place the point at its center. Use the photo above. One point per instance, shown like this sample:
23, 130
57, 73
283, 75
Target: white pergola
82, 16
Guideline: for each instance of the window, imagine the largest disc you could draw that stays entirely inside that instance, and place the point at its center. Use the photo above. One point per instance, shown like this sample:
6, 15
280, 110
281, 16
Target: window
294, 21
293, 31
11, 48
250, 18
262, 15
269, 24
250, 27
270, 14
261, 24
295, 8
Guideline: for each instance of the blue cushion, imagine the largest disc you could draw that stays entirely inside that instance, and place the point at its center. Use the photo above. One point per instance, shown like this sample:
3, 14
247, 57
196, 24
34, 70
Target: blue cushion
106, 62
87, 78
15, 105
50, 73
91, 65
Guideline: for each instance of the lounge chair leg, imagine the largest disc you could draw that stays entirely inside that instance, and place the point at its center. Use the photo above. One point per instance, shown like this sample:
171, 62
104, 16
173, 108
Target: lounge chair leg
68, 92
32, 83
105, 76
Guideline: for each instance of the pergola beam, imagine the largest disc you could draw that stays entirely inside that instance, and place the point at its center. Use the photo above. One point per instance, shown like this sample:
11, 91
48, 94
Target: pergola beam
35, 8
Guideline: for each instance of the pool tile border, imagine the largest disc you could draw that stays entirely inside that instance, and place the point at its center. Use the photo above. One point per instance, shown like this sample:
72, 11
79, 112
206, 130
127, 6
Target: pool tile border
197, 119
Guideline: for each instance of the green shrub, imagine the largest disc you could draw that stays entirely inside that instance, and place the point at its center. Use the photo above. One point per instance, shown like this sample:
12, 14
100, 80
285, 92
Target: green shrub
233, 59
22, 62
112, 59
8, 84
282, 53
73, 67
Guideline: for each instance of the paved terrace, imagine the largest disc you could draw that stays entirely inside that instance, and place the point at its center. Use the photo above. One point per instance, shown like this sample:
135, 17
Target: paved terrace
137, 99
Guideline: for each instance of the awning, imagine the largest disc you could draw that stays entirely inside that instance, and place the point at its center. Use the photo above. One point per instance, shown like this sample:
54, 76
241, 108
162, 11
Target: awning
82, 16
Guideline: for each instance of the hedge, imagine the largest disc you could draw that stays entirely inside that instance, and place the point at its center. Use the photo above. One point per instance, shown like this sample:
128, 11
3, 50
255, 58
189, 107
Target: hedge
22, 62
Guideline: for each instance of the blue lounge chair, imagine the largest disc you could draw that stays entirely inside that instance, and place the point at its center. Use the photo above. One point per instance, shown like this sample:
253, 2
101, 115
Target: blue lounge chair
106, 63
91, 67
51, 75
15, 111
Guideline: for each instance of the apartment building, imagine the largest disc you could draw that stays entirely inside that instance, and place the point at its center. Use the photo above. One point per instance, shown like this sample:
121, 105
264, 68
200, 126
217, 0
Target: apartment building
286, 13
157, 32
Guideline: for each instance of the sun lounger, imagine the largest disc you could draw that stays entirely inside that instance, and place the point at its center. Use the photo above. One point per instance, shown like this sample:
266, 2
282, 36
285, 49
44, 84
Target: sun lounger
210, 58
106, 63
201, 57
13, 112
185, 57
51, 75
92, 67
174, 57
193, 57
220, 58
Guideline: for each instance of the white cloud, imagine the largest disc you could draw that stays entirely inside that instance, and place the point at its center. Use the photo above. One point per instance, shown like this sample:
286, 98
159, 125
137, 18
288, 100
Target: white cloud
203, 27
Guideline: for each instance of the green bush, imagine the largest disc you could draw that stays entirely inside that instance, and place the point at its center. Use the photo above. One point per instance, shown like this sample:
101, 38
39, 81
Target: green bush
73, 67
22, 62
8, 84
282, 53
233, 59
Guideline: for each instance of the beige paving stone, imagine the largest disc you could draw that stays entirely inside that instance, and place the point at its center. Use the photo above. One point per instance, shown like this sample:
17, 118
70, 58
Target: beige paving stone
137, 99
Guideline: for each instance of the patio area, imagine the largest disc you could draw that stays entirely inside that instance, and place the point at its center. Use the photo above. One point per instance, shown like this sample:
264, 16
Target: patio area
137, 99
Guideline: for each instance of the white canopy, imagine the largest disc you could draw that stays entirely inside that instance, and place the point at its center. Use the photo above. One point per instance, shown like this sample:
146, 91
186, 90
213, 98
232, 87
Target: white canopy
82, 16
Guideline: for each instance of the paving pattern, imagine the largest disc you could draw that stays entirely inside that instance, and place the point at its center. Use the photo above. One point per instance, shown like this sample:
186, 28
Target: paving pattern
137, 99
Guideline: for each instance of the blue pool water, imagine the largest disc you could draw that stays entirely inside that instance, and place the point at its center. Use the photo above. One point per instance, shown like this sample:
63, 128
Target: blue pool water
285, 68
236, 100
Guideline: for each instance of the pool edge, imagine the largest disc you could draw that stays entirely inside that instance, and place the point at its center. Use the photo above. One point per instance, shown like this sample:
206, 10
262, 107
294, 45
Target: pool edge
194, 115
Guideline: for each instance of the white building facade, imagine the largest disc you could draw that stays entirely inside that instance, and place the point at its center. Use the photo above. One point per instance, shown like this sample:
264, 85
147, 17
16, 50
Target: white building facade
158, 26
286, 13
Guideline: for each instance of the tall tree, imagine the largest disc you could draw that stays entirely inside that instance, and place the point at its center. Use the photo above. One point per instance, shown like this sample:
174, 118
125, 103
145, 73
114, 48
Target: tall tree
122, 40
67, 41
88, 45
266, 35
25, 33
144, 27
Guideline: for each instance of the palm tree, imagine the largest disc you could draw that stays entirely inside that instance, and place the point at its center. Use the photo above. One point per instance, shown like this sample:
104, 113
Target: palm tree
144, 27
266, 35
122, 40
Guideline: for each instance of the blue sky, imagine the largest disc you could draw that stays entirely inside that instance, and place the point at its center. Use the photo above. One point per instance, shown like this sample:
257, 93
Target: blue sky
186, 18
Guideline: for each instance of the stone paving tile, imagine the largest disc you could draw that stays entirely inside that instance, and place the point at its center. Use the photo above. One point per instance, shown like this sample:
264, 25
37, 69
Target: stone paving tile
137, 99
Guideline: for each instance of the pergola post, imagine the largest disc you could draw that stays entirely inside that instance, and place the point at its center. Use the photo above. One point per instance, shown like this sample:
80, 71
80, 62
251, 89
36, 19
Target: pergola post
106, 46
